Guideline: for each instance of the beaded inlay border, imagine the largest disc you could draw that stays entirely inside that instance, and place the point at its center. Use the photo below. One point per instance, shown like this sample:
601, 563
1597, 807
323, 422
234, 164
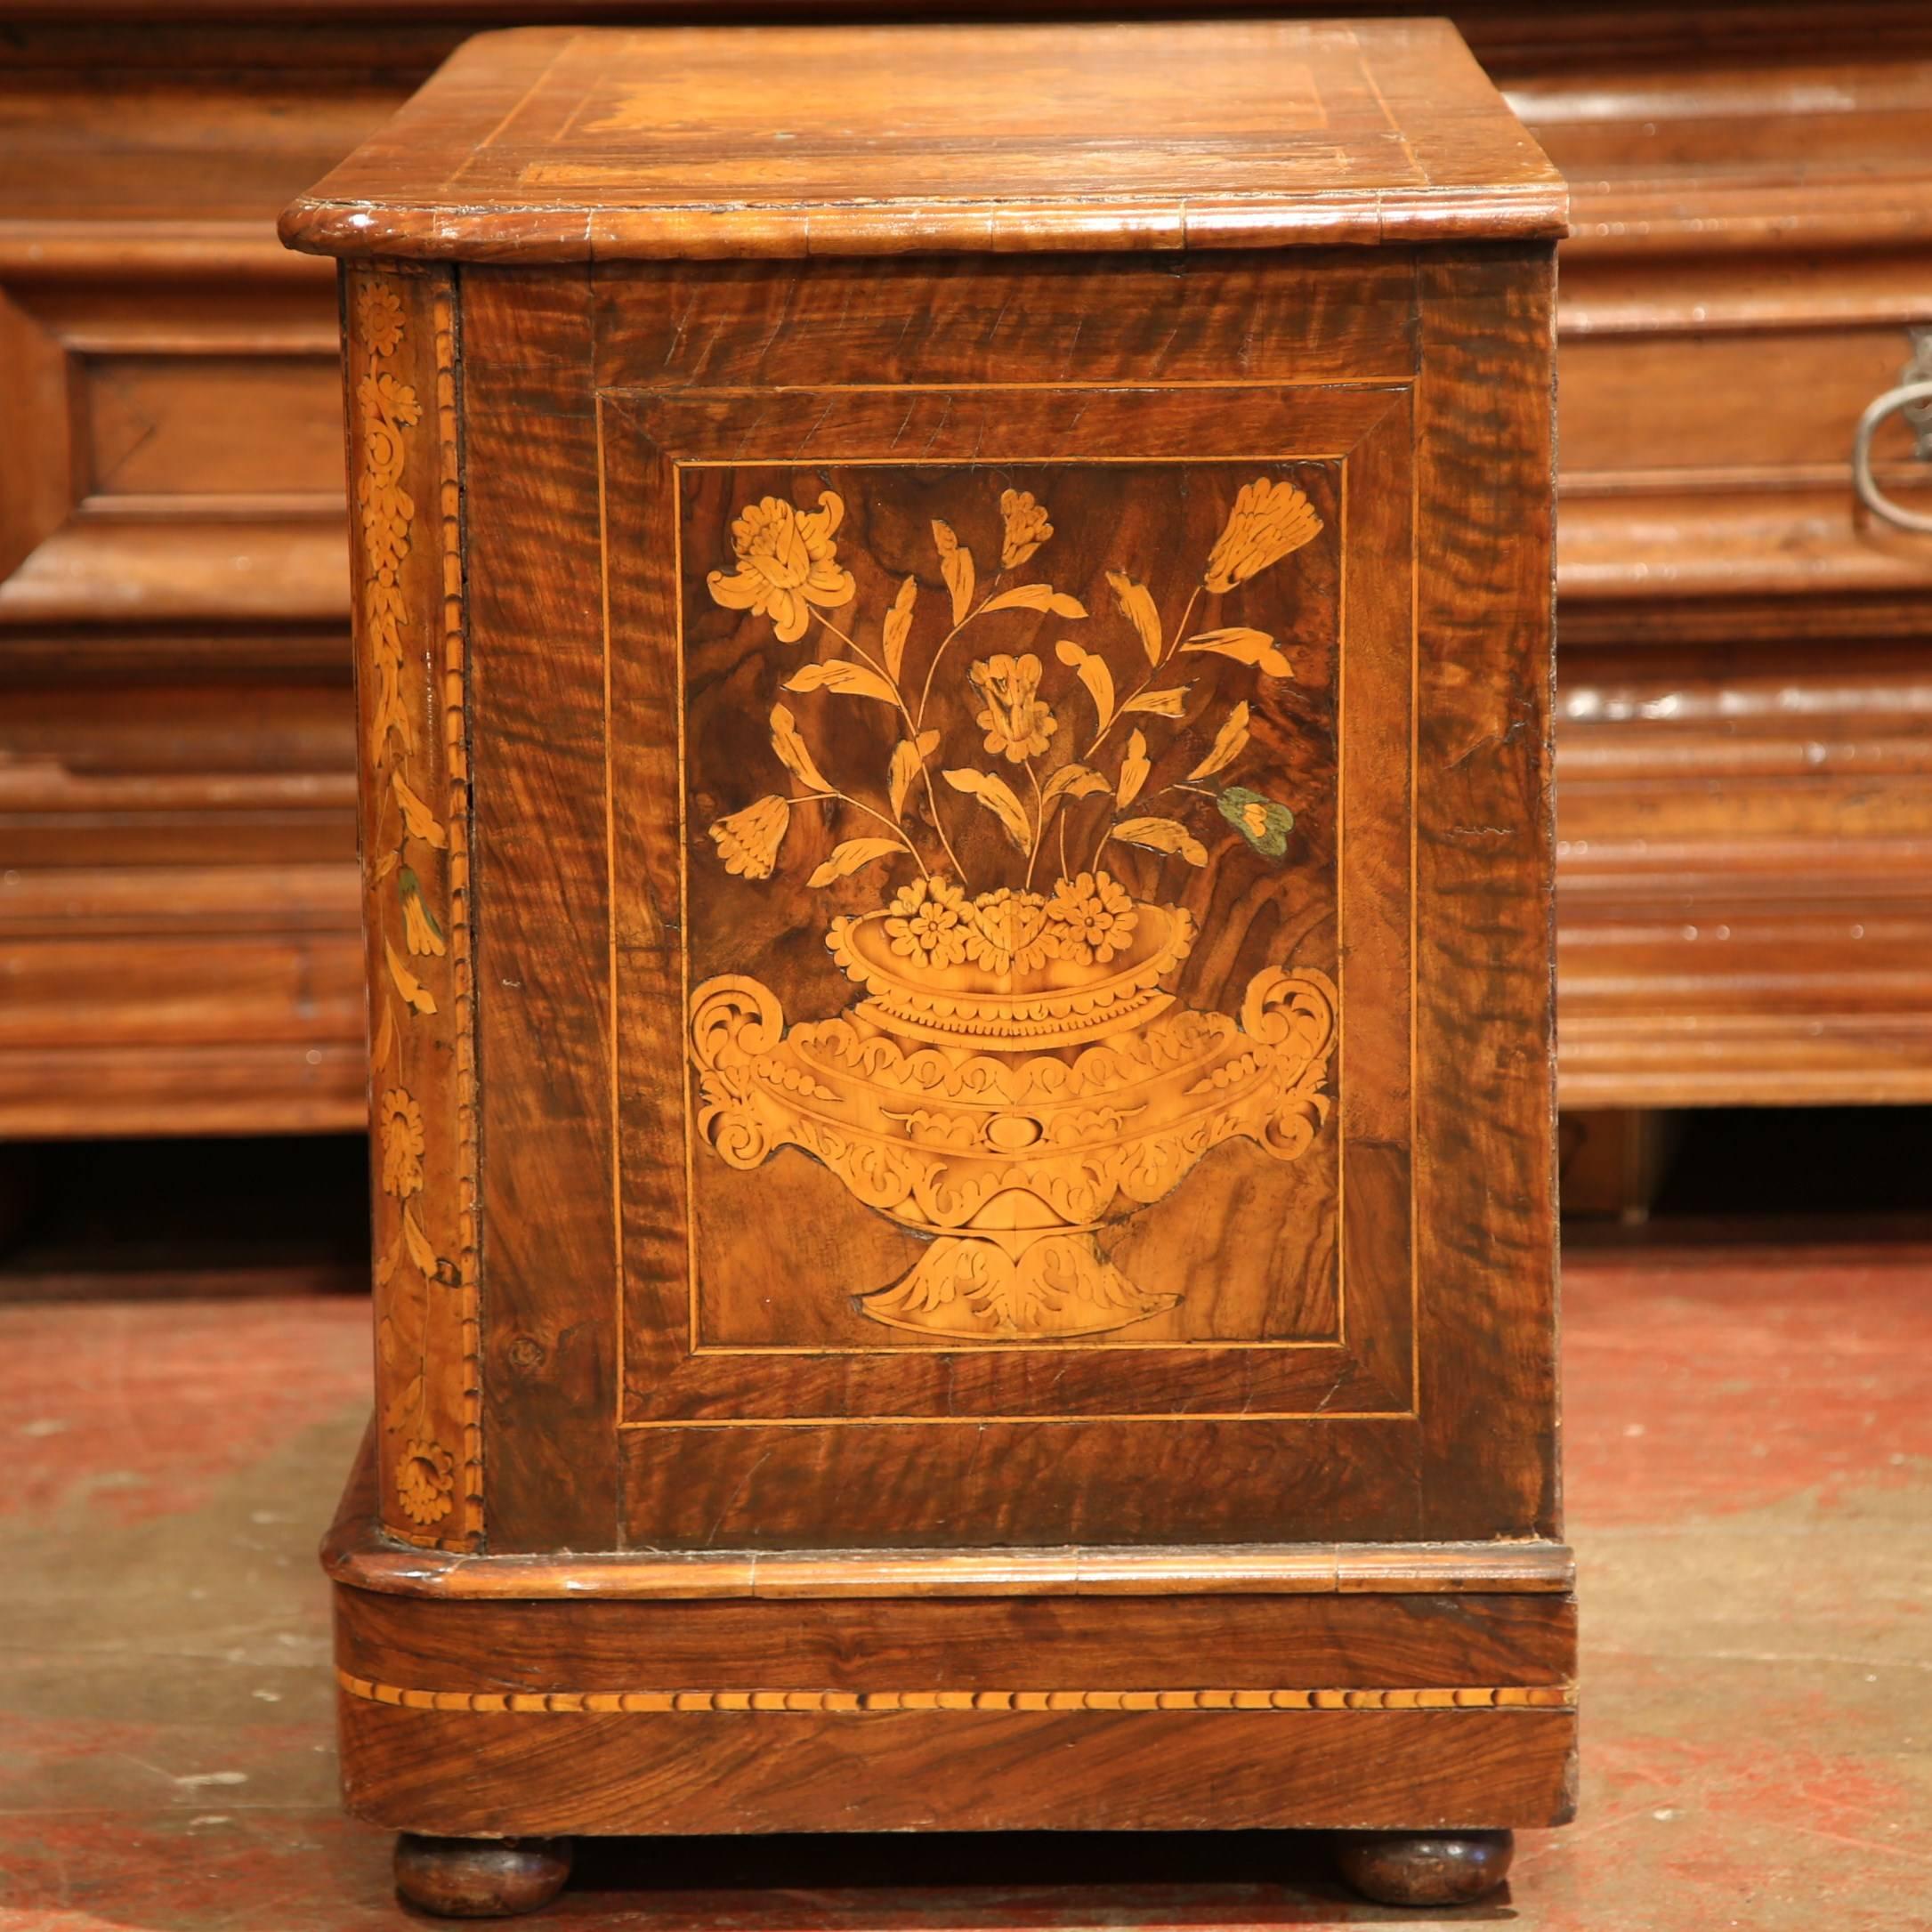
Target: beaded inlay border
861, 1703
456, 753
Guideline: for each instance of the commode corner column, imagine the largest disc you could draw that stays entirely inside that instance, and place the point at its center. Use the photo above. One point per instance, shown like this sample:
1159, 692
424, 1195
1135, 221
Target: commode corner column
400, 329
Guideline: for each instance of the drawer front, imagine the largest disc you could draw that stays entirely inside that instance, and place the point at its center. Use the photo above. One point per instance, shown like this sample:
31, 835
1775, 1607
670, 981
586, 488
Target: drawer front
177, 802
1749, 405
1709, 411
177, 455
1747, 260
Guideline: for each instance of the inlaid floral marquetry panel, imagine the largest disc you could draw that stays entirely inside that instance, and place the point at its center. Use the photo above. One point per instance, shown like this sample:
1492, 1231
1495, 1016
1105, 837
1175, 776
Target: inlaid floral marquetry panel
1009, 803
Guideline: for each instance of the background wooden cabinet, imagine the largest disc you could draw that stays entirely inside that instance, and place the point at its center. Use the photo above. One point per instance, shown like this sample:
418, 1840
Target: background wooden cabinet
1744, 770
1745, 663
178, 912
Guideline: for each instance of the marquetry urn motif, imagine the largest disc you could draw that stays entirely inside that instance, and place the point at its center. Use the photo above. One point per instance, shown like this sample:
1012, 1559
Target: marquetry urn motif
1014, 1074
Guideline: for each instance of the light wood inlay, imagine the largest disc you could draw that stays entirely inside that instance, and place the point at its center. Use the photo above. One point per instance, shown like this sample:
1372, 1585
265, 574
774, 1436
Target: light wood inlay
874, 1703
416, 881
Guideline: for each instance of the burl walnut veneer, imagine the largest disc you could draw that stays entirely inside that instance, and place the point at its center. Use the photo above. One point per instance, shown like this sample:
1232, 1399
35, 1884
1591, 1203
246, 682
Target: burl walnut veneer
954, 649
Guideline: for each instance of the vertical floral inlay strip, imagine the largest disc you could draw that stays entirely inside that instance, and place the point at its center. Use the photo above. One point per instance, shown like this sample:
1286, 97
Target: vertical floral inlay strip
415, 854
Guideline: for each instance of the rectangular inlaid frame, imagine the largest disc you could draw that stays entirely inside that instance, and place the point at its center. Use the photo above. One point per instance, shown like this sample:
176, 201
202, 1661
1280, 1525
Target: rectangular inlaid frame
1276, 909
1368, 1368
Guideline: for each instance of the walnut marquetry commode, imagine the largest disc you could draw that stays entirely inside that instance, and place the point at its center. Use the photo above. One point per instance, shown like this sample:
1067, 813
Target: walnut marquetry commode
954, 636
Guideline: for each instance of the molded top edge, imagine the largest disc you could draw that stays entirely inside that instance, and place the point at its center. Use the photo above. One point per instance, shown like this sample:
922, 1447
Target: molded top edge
544, 145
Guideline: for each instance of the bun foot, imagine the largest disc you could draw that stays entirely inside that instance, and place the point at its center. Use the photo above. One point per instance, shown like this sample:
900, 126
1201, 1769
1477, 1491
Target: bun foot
1425, 1868
481, 1877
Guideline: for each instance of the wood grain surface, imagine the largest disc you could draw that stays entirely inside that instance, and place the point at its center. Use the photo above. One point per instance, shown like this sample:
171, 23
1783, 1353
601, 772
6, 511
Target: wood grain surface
357, 1554
553, 146
532, 514
987, 1645
1485, 1066
753, 916
955, 1770
727, 1475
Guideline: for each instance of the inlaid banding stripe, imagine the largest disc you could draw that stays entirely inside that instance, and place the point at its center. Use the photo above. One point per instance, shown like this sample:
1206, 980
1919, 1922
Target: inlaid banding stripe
863, 1703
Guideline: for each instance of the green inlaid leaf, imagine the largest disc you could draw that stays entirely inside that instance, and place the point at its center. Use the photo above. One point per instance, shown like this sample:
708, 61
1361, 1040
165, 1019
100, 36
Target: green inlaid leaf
1263, 823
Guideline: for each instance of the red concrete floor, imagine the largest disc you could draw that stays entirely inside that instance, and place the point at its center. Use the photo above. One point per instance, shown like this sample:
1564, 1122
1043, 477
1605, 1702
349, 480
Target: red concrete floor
1749, 1445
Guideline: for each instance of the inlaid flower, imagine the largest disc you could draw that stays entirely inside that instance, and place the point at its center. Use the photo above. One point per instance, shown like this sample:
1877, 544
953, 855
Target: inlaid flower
928, 922
1010, 932
1263, 823
1025, 527
420, 932
400, 1129
1095, 918
1267, 521
382, 320
787, 563
749, 840
425, 1478
1016, 721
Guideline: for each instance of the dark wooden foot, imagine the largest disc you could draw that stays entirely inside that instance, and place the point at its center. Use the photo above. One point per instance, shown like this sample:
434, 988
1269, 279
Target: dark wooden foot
1425, 1868
481, 1877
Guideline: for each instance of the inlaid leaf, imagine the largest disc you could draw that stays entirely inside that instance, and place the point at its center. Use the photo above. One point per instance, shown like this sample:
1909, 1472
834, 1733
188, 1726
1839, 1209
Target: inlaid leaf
421, 933
405, 1405
1163, 704
415, 994
899, 626
1074, 781
1229, 742
420, 1251
385, 1038
956, 566
792, 751
908, 757
1093, 673
1245, 647
1035, 597
1162, 834
854, 853
1262, 822
841, 675
1137, 607
418, 820
1134, 769
997, 796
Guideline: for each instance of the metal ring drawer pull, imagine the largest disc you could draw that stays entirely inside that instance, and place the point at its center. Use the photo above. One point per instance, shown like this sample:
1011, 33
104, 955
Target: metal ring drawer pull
1907, 396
